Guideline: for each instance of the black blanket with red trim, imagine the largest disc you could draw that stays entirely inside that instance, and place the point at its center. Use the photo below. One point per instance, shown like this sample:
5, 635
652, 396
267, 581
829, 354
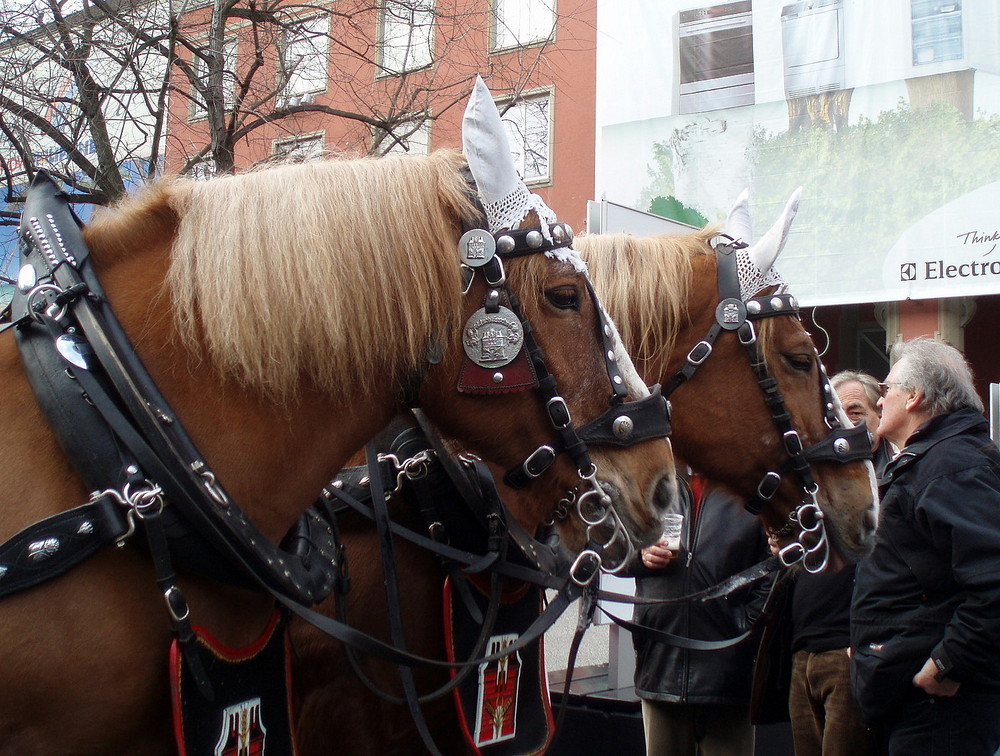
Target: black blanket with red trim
503, 706
250, 714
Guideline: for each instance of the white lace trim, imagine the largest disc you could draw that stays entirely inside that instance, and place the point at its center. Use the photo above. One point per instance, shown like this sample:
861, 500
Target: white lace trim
752, 280
507, 213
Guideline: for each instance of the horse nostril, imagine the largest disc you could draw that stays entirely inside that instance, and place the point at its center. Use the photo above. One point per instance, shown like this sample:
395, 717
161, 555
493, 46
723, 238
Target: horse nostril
665, 492
869, 520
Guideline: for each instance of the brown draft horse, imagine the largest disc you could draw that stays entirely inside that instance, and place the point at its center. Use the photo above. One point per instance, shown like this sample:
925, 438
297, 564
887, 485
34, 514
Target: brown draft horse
662, 294
285, 314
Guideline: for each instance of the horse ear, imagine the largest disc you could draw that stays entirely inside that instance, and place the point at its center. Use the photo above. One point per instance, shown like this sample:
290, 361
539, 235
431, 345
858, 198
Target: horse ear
738, 223
486, 148
766, 251
504, 195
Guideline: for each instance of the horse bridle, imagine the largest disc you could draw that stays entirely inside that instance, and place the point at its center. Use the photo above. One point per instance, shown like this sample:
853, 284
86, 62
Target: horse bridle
733, 313
624, 423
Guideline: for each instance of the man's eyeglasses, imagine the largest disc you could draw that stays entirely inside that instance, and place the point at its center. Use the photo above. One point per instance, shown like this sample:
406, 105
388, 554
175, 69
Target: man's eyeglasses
883, 388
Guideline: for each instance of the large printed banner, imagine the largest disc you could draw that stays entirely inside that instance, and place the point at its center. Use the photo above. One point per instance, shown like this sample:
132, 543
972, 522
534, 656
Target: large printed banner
887, 114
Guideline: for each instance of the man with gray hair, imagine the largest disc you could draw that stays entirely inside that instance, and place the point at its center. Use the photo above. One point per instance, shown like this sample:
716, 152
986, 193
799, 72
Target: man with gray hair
859, 394
925, 628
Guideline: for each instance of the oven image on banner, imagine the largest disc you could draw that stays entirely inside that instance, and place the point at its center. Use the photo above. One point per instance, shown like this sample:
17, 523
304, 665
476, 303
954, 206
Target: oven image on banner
812, 40
496, 712
715, 49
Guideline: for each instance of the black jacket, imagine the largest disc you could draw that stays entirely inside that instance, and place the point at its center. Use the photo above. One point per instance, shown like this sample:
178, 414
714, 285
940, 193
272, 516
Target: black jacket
931, 587
721, 541
821, 602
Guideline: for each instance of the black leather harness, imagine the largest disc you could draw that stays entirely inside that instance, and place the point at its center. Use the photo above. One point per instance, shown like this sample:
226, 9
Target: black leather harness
841, 444
123, 437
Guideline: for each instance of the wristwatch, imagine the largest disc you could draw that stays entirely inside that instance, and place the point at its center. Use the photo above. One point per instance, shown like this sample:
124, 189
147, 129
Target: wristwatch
942, 662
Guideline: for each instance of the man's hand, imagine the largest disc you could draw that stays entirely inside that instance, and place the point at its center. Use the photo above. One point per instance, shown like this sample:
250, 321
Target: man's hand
657, 556
772, 542
927, 681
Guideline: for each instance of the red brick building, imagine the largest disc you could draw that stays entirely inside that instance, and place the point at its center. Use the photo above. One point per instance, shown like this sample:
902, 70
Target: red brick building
365, 77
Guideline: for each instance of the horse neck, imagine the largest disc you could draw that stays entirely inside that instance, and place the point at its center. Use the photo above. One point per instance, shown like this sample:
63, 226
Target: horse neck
699, 309
273, 457
706, 399
721, 407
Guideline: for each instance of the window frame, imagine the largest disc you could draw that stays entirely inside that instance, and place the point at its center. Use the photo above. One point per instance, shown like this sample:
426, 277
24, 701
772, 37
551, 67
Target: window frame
498, 31
422, 140
305, 36
522, 102
385, 68
289, 156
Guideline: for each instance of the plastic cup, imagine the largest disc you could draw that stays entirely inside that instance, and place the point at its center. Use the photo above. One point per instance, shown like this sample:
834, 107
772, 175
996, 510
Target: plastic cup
672, 524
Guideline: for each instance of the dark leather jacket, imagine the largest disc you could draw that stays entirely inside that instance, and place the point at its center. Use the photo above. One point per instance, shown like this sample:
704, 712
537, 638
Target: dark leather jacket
722, 540
931, 587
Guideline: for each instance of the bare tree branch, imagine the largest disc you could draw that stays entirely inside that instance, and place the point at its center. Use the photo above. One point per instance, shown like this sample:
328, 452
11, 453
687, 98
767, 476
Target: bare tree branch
104, 93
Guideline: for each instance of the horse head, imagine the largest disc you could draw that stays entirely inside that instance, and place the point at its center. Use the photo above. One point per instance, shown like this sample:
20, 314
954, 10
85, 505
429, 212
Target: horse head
715, 324
544, 387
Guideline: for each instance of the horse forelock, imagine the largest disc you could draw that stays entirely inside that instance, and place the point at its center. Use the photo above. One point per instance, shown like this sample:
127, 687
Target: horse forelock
644, 283
336, 272
768, 335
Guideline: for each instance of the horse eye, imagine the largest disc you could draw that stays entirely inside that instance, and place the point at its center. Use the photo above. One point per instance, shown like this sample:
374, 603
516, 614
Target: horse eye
799, 362
564, 297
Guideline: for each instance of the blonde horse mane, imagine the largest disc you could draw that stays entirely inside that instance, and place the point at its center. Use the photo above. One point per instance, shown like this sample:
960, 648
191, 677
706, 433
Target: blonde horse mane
333, 272
644, 284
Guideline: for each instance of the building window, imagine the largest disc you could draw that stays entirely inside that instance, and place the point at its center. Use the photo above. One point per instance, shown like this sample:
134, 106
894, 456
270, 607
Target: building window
529, 128
407, 36
407, 138
300, 149
203, 170
304, 54
518, 23
228, 80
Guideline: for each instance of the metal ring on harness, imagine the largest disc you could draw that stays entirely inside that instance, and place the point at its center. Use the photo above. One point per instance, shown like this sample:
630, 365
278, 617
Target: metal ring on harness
792, 554
35, 313
468, 275
618, 532
177, 605
501, 278
410, 468
747, 328
561, 510
602, 508
820, 551
809, 517
145, 502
